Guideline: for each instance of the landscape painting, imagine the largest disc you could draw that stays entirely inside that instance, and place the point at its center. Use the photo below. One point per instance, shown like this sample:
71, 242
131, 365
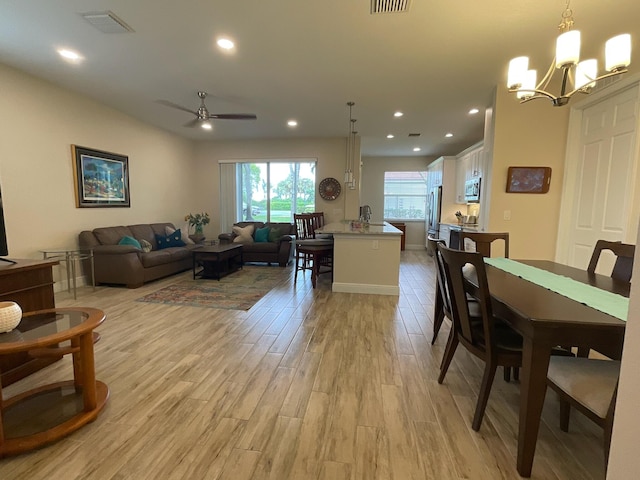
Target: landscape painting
101, 178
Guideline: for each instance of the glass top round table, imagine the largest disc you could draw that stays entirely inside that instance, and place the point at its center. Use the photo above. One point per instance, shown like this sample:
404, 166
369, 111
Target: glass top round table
44, 414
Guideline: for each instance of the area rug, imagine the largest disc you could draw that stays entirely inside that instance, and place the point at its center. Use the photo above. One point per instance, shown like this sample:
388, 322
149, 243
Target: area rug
237, 291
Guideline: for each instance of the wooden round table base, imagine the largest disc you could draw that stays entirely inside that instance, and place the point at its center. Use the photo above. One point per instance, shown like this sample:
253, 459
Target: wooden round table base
27, 415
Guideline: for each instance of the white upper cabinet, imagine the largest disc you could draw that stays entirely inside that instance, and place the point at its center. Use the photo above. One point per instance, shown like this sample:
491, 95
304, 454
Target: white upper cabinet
469, 165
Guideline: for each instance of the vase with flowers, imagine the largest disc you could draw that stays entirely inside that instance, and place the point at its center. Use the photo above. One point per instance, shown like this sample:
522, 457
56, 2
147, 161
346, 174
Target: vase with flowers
197, 221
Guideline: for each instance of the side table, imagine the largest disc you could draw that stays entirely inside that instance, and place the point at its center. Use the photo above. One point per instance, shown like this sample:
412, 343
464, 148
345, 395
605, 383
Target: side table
47, 413
71, 257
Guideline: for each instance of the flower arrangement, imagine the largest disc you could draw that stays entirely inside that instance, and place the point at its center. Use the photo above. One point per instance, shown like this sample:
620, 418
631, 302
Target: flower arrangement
459, 216
198, 221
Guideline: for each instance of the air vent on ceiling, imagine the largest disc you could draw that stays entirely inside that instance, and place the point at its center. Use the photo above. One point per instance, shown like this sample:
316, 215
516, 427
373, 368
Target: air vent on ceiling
415, 134
389, 6
107, 22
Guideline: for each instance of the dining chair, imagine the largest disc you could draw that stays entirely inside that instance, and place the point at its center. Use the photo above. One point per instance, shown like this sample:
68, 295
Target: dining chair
484, 336
589, 385
313, 254
624, 253
484, 240
439, 305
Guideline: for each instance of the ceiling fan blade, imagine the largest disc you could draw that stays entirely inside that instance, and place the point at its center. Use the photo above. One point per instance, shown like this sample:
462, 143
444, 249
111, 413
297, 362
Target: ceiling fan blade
233, 116
167, 103
192, 123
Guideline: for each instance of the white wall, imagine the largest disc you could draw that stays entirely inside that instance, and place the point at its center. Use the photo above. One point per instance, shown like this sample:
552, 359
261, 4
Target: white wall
624, 461
329, 153
372, 190
38, 124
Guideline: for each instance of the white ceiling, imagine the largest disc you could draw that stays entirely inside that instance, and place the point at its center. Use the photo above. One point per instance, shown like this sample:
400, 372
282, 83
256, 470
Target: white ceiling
304, 60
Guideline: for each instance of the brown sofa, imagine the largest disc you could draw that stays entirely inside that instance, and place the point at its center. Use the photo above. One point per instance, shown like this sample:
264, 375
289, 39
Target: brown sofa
281, 251
128, 265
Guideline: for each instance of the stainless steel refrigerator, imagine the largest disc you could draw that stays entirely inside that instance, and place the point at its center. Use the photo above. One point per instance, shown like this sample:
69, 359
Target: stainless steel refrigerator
433, 211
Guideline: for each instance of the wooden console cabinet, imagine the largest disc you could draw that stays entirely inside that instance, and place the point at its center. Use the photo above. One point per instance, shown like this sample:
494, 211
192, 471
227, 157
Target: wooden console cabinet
29, 283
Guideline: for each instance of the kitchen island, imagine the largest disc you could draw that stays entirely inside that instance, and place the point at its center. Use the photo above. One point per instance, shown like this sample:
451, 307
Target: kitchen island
366, 257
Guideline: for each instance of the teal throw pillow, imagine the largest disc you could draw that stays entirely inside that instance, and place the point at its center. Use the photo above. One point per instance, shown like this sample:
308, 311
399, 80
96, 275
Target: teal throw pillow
262, 235
275, 234
173, 240
130, 241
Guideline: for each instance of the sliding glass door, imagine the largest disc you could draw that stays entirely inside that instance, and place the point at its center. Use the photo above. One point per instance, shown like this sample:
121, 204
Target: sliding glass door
269, 191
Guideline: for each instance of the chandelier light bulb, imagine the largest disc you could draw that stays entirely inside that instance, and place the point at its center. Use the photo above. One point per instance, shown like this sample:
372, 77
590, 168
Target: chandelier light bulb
618, 52
528, 84
568, 49
586, 73
517, 71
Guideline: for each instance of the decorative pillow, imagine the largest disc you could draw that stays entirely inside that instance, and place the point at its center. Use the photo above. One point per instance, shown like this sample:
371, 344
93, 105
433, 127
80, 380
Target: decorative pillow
146, 246
262, 235
173, 240
129, 241
184, 236
274, 234
244, 234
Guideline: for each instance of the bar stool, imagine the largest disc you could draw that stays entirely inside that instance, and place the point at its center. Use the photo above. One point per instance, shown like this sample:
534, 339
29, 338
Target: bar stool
317, 256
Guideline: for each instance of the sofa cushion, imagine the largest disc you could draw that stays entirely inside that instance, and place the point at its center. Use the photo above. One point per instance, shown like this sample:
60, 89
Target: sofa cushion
262, 235
244, 234
274, 234
185, 236
173, 240
145, 246
126, 240
112, 235
155, 258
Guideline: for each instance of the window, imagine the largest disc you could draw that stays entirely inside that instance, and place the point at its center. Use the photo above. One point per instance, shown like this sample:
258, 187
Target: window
405, 195
273, 191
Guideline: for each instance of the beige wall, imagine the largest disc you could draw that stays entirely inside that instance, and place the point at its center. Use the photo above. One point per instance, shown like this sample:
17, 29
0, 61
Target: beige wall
372, 192
39, 122
329, 153
531, 134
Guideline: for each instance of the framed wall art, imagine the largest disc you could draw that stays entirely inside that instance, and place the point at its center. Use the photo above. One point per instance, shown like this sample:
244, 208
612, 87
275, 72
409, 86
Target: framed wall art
101, 178
528, 179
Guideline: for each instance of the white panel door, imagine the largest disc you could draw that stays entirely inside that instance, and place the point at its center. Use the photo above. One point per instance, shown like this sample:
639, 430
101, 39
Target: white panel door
604, 180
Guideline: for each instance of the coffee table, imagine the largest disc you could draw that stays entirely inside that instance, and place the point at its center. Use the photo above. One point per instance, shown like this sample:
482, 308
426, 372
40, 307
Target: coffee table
216, 261
47, 413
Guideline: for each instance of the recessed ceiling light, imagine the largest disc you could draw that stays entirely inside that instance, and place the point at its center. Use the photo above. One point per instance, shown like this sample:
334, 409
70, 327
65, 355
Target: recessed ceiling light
206, 126
416, 149
398, 114
292, 123
389, 136
449, 135
225, 43
473, 111
69, 55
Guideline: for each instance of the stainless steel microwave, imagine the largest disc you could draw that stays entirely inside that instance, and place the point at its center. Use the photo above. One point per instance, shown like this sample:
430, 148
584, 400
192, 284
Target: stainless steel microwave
472, 190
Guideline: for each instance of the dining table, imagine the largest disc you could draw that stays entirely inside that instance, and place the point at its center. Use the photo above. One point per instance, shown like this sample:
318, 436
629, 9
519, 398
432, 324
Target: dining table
546, 319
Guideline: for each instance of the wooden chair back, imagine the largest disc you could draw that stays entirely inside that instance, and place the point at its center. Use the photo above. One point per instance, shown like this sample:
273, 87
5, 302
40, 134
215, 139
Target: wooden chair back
317, 220
304, 226
454, 264
624, 252
483, 241
441, 283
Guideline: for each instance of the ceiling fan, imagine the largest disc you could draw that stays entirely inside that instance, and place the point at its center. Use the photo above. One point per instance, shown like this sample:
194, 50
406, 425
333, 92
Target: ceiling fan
202, 113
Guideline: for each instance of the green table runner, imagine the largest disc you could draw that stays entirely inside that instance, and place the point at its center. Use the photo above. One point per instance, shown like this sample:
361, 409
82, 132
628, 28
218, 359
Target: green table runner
607, 302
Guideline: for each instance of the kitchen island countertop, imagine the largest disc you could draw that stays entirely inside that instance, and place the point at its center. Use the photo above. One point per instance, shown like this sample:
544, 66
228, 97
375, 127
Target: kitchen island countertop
353, 227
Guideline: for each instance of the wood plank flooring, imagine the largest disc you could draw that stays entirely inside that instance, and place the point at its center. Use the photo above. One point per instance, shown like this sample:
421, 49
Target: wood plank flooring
308, 384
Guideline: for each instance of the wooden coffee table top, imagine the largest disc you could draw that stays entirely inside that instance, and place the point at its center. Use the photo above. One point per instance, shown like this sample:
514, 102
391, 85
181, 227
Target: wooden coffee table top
217, 248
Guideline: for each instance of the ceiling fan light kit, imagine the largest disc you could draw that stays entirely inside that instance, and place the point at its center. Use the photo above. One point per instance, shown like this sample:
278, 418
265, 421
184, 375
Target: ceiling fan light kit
522, 81
203, 116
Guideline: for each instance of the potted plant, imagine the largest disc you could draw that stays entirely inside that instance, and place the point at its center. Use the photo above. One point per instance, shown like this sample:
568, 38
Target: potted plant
197, 221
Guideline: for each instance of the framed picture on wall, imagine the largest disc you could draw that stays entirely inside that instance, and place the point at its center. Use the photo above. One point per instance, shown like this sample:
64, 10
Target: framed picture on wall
528, 179
101, 178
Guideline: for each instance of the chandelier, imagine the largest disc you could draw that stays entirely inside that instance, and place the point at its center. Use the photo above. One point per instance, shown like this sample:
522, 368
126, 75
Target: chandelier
522, 81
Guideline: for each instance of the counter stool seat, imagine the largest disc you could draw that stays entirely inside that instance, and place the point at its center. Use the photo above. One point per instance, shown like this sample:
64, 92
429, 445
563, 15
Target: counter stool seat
316, 255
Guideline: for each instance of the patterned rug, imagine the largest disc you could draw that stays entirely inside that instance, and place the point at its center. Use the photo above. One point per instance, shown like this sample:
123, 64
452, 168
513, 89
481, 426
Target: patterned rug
237, 291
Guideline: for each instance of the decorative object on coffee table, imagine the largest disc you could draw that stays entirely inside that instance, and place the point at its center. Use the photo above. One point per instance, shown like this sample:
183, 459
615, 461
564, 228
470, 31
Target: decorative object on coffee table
10, 316
197, 221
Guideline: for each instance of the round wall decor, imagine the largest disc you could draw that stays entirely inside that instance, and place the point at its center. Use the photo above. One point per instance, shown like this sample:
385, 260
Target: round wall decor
329, 189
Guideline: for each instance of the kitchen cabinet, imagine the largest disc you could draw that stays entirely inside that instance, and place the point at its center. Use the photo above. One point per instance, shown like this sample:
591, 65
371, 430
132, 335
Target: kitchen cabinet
469, 165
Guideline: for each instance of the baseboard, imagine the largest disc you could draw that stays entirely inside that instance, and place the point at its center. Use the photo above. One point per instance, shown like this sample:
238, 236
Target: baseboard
365, 288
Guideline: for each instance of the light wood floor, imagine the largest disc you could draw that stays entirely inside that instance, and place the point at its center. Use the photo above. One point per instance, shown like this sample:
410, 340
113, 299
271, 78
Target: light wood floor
308, 384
